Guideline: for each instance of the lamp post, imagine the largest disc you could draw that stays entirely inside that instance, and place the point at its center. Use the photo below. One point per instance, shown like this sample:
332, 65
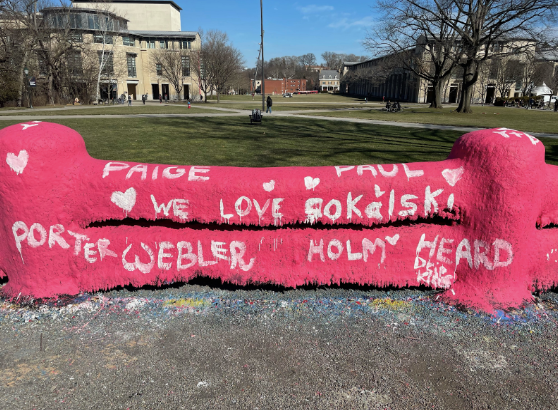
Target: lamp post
263, 76
30, 85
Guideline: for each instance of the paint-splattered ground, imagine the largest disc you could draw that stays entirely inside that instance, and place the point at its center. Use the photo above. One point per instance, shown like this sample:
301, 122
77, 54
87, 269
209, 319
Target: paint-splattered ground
198, 347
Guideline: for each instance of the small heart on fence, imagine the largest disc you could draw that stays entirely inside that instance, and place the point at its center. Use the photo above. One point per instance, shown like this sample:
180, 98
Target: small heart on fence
125, 200
18, 163
452, 176
392, 239
269, 186
311, 183
378, 192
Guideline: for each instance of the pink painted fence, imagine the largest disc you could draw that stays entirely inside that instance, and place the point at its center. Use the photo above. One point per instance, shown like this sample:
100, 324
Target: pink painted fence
471, 224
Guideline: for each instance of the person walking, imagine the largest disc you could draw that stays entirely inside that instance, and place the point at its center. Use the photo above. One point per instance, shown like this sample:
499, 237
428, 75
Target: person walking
129, 99
269, 103
160, 98
556, 105
143, 98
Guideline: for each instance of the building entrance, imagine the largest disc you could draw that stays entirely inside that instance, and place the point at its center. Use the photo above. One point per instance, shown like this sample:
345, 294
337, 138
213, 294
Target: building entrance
132, 91
186, 88
155, 91
165, 91
453, 94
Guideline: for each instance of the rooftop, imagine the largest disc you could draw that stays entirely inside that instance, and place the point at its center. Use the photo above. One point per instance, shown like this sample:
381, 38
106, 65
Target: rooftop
172, 3
176, 34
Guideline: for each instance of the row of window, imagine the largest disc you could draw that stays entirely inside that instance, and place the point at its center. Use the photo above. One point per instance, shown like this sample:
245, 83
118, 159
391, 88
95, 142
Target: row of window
131, 42
75, 64
168, 44
86, 21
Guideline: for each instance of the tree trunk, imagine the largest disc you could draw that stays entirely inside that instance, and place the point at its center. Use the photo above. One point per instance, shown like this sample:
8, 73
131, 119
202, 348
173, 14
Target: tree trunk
218, 96
470, 76
437, 101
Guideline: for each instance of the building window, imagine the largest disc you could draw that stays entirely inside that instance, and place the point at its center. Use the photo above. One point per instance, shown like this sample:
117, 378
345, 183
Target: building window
162, 43
128, 41
76, 37
75, 21
108, 67
186, 44
159, 69
185, 66
131, 65
74, 63
151, 44
100, 39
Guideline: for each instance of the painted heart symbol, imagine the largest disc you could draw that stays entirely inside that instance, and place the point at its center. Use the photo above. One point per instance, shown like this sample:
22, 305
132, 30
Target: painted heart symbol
18, 163
311, 183
378, 192
269, 186
392, 239
453, 175
125, 200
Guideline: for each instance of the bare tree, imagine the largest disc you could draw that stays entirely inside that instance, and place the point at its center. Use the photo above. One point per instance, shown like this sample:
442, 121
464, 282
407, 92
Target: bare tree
175, 65
480, 25
423, 43
504, 74
216, 63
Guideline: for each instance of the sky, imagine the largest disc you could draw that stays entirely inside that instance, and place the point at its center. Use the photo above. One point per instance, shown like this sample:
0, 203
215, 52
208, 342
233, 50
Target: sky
290, 28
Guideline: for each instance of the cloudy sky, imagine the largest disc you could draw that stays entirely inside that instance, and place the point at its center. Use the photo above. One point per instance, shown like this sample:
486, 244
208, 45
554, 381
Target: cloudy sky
291, 28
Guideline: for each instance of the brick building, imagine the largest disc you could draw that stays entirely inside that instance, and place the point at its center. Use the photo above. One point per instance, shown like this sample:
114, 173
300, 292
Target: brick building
279, 86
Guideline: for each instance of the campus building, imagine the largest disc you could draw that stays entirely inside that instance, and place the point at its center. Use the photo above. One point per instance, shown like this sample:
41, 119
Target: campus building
279, 86
329, 80
509, 75
122, 37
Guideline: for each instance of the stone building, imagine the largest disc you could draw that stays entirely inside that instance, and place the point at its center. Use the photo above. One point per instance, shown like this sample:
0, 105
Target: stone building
125, 34
513, 71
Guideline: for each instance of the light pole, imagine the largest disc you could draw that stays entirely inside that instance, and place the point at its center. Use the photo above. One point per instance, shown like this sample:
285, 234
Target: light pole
263, 77
29, 85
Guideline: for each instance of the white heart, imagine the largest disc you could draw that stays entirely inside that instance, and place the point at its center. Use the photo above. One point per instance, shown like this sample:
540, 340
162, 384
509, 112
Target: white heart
311, 183
393, 239
18, 163
378, 192
268, 186
453, 175
125, 200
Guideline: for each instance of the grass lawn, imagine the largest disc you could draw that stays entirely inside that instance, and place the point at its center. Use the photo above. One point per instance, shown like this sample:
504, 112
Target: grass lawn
110, 110
482, 117
233, 141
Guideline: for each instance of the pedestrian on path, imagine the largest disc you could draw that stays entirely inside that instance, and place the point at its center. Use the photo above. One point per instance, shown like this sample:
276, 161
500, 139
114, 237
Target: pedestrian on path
556, 105
143, 98
129, 99
269, 103
160, 98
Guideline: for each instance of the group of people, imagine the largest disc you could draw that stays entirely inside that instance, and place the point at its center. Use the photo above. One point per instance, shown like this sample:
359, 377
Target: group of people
530, 104
395, 106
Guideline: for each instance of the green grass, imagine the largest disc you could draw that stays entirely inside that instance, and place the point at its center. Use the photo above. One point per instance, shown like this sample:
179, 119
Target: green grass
232, 141
111, 110
482, 117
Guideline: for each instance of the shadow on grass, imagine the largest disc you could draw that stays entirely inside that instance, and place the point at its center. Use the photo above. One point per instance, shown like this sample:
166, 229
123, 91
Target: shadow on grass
232, 141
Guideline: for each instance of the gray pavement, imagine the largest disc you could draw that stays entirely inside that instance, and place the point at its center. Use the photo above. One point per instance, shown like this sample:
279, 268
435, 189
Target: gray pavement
201, 347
